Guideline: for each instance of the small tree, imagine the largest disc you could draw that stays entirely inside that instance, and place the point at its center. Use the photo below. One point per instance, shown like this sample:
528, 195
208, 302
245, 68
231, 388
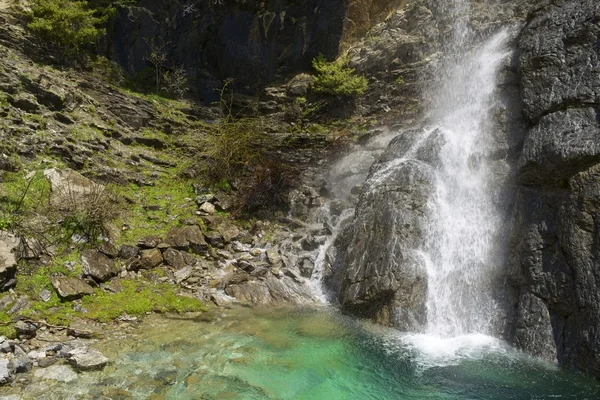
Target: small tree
158, 58
336, 79
68, 24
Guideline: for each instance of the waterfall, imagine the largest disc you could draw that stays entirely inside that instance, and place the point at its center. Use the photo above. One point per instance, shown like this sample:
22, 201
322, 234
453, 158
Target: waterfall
463, 220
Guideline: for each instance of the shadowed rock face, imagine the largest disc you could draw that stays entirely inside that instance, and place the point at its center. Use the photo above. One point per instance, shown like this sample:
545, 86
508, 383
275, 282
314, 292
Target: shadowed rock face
555, 233
252, 42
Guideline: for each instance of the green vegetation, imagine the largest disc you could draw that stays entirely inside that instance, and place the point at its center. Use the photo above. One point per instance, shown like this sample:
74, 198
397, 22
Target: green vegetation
137, 298
21, 198
71, 25
155, 209
335, 78
400, 81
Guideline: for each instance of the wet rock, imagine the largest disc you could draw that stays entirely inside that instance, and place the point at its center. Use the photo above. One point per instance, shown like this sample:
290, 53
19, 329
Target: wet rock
98, 266
274, 257
187, 238
59, 373
554, 270
378, 273
69, 288
9, 245
87, 359
149, 259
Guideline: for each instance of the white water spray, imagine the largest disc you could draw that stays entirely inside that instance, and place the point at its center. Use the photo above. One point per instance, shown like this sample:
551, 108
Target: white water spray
463, 220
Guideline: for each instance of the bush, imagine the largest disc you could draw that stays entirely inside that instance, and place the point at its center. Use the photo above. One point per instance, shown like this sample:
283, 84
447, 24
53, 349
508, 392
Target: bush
71, 25
86, 213
234, 146
335, 78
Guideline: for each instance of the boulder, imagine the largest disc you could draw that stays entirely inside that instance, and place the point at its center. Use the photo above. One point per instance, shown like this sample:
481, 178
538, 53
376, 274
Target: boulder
87, 359
98, 266
128, 252
69, 288
378, 271
149, 259
178, 259
187, 238
25, 330
9, 245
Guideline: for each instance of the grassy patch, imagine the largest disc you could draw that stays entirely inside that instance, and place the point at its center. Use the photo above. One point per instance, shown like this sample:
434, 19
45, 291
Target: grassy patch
157, 208
137, 299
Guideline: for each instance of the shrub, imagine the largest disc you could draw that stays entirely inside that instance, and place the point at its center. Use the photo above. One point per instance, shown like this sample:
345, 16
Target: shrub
335, 78
85, 213
71, 25
235, 145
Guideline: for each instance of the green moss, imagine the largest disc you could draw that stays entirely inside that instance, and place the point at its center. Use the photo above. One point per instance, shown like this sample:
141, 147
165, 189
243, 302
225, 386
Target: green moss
138, 298
171, 195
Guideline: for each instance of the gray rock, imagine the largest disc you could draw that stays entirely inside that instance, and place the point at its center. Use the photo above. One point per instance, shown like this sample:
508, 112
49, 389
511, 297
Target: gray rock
7, 371
9, 245
26, 102
149, 242
559, 146
380, 274
47, 362
187, 238
182, 274
177, 259
25, 330
149, 259
215, 239
45, 295
128, 252
87, 359
553, 265
69, 288
98, 266
558, 58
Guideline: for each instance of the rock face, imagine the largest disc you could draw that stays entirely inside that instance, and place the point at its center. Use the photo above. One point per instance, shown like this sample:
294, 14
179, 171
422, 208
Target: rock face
555, 271
212, 40
379, 273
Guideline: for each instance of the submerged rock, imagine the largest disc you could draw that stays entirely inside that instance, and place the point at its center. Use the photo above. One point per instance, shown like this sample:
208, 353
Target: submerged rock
87, 359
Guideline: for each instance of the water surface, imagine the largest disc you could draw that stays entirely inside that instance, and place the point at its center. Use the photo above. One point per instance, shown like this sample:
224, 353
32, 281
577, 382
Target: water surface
309, 354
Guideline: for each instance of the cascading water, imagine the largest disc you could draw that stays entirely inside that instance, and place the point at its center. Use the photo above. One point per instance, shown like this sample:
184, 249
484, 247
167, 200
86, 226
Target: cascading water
463, 220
